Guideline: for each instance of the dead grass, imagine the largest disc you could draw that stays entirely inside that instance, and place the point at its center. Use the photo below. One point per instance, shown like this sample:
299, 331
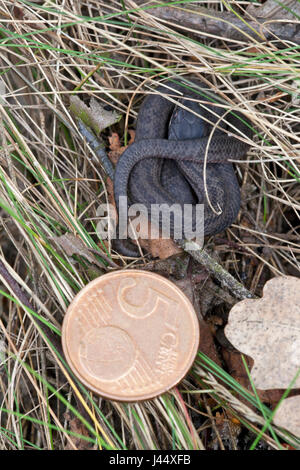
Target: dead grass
51, 184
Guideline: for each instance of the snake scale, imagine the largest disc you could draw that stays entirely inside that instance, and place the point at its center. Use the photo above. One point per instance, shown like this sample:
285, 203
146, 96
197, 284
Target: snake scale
165, 164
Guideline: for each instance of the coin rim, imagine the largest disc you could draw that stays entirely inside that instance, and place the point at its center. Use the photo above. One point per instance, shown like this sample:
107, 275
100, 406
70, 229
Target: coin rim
143, 397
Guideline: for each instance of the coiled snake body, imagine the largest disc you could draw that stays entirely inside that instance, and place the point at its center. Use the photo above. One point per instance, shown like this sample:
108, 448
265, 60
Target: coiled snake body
165, 164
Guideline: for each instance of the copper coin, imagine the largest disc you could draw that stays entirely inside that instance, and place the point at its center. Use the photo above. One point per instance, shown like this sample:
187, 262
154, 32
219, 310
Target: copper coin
130, 335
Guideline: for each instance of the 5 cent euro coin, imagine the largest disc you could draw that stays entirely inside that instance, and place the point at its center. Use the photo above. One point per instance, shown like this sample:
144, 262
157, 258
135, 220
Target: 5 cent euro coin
130, 335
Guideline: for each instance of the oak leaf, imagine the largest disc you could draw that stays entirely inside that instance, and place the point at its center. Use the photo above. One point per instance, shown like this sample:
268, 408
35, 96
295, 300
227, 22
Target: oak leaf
288, 415
268, 330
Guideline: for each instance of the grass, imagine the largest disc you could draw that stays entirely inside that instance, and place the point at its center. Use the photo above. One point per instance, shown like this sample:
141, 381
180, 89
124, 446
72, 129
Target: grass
51, 184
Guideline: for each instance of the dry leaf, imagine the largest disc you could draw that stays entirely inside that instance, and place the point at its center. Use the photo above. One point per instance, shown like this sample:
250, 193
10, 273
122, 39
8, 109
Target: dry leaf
268, 330
228, 429
288, 415
95, 115
236, 368
207, 345
163, 248
116, 149
77, 427
72, 245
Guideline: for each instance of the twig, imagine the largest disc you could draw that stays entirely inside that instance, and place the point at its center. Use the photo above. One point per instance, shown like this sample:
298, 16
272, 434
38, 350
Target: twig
98, 148
104, 256
226, 279
226, 25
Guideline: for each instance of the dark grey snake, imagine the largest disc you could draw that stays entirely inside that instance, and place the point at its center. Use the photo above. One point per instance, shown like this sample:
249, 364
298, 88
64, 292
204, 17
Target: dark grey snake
165, 164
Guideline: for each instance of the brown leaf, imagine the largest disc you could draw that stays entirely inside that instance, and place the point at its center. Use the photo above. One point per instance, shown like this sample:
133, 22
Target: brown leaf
116, 149
110, 192
17, 12
228, 428
268, 330
114, 141
163, 248
236, 367
158, 247
77, 427
253, 50
207, 345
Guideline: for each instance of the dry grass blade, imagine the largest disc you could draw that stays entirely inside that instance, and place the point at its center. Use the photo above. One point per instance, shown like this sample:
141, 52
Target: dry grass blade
51, 184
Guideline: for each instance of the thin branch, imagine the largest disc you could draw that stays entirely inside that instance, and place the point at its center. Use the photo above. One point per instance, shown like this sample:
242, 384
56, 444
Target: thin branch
227, 25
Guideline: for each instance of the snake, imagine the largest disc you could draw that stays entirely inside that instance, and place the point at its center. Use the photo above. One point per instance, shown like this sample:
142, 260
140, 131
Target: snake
181, 155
